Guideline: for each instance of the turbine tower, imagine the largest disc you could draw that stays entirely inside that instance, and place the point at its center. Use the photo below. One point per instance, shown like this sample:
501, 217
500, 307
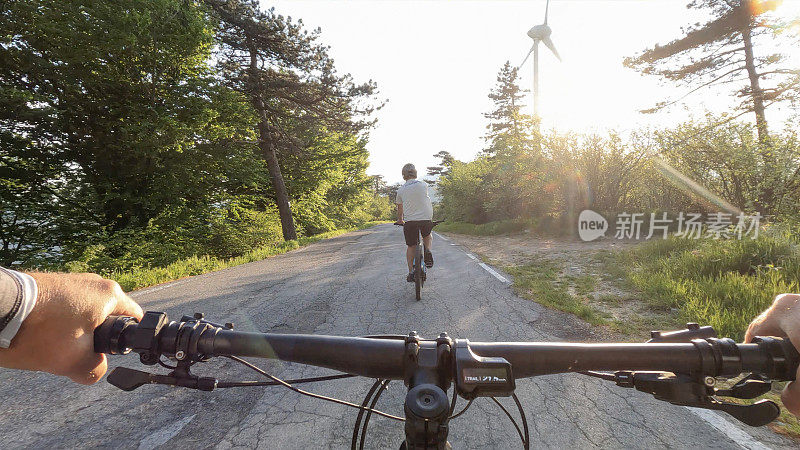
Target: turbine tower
539, 33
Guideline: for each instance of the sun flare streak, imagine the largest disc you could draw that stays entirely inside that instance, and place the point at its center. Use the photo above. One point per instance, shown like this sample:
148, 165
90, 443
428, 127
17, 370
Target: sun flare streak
690, 186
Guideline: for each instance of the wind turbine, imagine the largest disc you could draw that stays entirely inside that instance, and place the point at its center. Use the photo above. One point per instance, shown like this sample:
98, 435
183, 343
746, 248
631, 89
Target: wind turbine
539, 33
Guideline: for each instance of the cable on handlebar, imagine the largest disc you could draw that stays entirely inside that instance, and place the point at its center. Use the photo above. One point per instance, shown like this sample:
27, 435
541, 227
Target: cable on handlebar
380, 391
524, 437
511, 418
357, 426
311, 394
469, 403
453, 401
165, 365
527, 440
231, 384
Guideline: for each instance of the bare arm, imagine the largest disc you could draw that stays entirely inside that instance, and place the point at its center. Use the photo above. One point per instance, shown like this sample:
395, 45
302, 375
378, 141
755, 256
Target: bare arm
400, 213
58, 335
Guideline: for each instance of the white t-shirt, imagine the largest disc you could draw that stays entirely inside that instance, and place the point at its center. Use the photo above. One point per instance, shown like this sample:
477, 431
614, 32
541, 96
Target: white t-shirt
413, 195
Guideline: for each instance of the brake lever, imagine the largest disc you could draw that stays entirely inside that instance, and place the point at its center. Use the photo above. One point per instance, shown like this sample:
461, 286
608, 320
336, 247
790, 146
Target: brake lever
129, 379
751, 386
757, 414
683, 390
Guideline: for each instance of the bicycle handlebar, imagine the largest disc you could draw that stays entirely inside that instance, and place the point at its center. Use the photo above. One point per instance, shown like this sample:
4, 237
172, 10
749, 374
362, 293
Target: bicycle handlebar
372, 358
775, 358
682, 373
434, 222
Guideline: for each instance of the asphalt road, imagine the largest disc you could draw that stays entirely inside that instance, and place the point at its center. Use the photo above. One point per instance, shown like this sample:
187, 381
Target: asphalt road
350, 285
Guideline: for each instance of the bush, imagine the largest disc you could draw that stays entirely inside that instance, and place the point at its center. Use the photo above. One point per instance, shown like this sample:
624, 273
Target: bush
237, 230
573, 172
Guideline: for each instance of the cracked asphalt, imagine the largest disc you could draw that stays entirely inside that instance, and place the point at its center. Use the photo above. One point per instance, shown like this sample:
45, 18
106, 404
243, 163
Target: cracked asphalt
349, 285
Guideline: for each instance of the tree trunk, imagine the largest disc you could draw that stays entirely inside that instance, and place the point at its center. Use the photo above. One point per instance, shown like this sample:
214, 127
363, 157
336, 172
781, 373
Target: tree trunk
767, 197
755, 89
281, 195
267, 145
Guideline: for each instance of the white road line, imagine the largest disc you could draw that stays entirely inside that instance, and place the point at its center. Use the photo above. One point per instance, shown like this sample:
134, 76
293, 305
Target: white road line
493, 272
471, 256
160, 437
728, 429
440, 236
157, 288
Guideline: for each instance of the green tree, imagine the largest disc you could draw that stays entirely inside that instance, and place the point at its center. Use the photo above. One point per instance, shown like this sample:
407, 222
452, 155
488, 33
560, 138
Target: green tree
463, 191
723, 51
515, 183
446, 161
292, 84
113, 129
509, 130
729, 163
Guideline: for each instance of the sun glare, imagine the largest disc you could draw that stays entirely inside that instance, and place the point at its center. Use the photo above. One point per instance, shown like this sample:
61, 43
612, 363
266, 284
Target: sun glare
437, 77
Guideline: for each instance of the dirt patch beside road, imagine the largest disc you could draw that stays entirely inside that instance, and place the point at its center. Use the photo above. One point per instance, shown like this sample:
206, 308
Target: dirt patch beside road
582, 278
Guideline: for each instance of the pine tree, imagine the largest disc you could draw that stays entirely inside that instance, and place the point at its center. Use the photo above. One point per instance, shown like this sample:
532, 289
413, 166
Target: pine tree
510, 131
722, 52
445, 164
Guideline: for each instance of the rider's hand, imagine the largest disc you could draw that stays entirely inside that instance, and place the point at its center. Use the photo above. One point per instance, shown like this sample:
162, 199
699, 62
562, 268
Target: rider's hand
782, 319
57, 336
400, 222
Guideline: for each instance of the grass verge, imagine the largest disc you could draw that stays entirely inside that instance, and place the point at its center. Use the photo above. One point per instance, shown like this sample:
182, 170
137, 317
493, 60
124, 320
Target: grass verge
543, 283
720, 283
196, 265
486, 229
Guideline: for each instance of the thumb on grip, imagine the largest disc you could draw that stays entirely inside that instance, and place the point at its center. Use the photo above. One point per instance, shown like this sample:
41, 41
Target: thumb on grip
108, 337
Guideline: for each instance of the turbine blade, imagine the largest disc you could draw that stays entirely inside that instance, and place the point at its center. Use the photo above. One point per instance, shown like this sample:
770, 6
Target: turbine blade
528, 55
549, 43
546, 10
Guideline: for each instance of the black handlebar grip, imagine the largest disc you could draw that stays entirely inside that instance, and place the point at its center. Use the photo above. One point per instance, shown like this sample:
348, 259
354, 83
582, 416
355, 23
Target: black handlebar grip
109, 337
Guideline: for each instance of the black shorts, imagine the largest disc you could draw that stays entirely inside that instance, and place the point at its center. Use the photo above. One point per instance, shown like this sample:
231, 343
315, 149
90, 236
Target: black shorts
412, 228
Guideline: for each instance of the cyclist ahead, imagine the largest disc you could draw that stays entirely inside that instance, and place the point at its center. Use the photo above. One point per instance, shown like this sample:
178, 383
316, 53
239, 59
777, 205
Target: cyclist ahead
415, 213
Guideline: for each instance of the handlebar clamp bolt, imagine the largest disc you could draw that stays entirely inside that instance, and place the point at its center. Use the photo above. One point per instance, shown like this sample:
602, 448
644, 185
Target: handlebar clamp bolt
180, 354
709, 381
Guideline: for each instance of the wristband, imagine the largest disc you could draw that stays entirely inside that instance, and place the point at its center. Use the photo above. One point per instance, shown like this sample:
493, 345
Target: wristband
28, 291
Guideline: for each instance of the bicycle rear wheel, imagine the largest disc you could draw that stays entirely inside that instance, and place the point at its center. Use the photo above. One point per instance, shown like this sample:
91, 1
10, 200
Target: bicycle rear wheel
418, 272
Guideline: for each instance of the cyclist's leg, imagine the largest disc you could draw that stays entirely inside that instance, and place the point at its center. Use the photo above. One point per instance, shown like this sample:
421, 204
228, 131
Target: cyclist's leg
411, 234
427, 242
